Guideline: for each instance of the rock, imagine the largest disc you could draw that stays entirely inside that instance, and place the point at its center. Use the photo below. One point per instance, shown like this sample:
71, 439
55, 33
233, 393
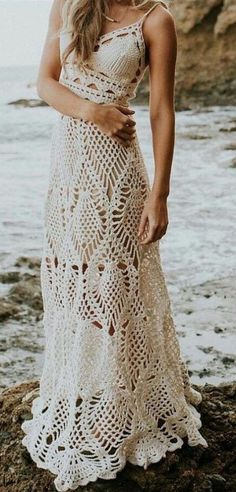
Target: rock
233, 163
205, 68
206, 350
9, 277
4, 361
204, 486
28, 103
8, 309
194, 469
218, 482
190, 13
31, 84
24, 298
230, 146
228, 129
33, 262
4, 436
227, 361
205, 372
217, 329
227, 17
28, 292
194, 136
31, 395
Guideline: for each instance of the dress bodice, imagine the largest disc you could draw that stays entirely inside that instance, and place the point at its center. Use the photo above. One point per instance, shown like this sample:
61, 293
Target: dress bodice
115, 68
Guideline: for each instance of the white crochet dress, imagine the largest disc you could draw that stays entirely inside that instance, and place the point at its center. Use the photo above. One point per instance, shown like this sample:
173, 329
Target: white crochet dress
114, 387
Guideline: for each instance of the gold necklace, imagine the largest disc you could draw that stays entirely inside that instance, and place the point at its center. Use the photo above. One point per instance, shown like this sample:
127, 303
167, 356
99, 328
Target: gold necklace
111, 19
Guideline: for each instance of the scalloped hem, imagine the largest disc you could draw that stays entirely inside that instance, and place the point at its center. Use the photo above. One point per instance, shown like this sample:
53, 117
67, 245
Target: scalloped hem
108, 475
125, 458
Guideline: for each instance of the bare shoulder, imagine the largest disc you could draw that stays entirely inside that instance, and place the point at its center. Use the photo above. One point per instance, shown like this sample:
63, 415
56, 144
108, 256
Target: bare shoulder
55, 16
160, 20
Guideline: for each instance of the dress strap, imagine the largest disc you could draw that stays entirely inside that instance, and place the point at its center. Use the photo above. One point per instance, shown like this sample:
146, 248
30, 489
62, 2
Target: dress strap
153, 6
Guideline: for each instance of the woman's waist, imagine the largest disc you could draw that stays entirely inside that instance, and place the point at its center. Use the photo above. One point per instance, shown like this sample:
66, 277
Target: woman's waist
90, 91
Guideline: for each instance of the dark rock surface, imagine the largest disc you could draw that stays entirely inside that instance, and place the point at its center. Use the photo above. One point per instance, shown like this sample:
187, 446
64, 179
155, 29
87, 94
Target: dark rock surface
190, 469
28, 103
23, 300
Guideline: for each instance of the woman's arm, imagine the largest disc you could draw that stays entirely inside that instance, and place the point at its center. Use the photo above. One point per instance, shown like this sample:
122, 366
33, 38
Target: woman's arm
111, 119
160, 35
49, 89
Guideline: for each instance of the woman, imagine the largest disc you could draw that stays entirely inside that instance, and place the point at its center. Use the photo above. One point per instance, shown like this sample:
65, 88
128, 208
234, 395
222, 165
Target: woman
114, 387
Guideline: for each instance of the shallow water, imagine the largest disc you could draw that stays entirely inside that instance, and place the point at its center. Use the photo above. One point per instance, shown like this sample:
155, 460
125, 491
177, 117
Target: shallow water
198, 251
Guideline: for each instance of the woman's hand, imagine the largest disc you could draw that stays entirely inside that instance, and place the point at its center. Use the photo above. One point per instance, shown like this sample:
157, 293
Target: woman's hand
154, 220
115, 121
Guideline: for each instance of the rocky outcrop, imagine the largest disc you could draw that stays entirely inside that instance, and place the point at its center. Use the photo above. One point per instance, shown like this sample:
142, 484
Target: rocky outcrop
28, 103
206, 68
192, 469
227, 18
23, 301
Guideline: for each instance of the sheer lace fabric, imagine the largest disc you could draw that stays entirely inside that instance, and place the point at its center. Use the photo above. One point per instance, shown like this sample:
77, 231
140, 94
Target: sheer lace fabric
114, 387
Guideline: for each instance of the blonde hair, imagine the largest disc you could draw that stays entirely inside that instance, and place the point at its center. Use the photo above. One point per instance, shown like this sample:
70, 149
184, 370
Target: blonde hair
84, 18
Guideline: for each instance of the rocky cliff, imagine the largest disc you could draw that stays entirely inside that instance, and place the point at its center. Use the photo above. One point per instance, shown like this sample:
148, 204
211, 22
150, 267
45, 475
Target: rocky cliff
206, 61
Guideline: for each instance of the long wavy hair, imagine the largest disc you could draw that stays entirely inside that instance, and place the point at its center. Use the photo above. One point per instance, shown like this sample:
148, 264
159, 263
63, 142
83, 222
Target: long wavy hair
83, 19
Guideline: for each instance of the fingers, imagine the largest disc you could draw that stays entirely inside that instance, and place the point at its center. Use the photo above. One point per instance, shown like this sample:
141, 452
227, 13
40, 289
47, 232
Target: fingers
129, 122
124, 109
126, 135
148, 235
142, 225
121, 141
123, 128
153, 233
128, 130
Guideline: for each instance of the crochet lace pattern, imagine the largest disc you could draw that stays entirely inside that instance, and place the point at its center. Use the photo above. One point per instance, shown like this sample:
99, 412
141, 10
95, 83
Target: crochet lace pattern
114, 387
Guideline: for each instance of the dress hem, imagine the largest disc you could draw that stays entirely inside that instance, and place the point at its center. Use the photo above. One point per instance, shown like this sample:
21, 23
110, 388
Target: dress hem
125, 458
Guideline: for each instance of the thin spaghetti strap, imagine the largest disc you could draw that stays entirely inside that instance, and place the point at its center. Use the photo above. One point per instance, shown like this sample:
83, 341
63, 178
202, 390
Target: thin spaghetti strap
152, 7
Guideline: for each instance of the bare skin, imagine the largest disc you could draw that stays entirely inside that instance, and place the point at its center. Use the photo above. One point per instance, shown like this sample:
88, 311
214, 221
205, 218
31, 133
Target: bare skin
161, 40
116, 120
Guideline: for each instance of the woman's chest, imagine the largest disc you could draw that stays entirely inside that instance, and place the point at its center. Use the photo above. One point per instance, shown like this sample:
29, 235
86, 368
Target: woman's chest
118, 55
